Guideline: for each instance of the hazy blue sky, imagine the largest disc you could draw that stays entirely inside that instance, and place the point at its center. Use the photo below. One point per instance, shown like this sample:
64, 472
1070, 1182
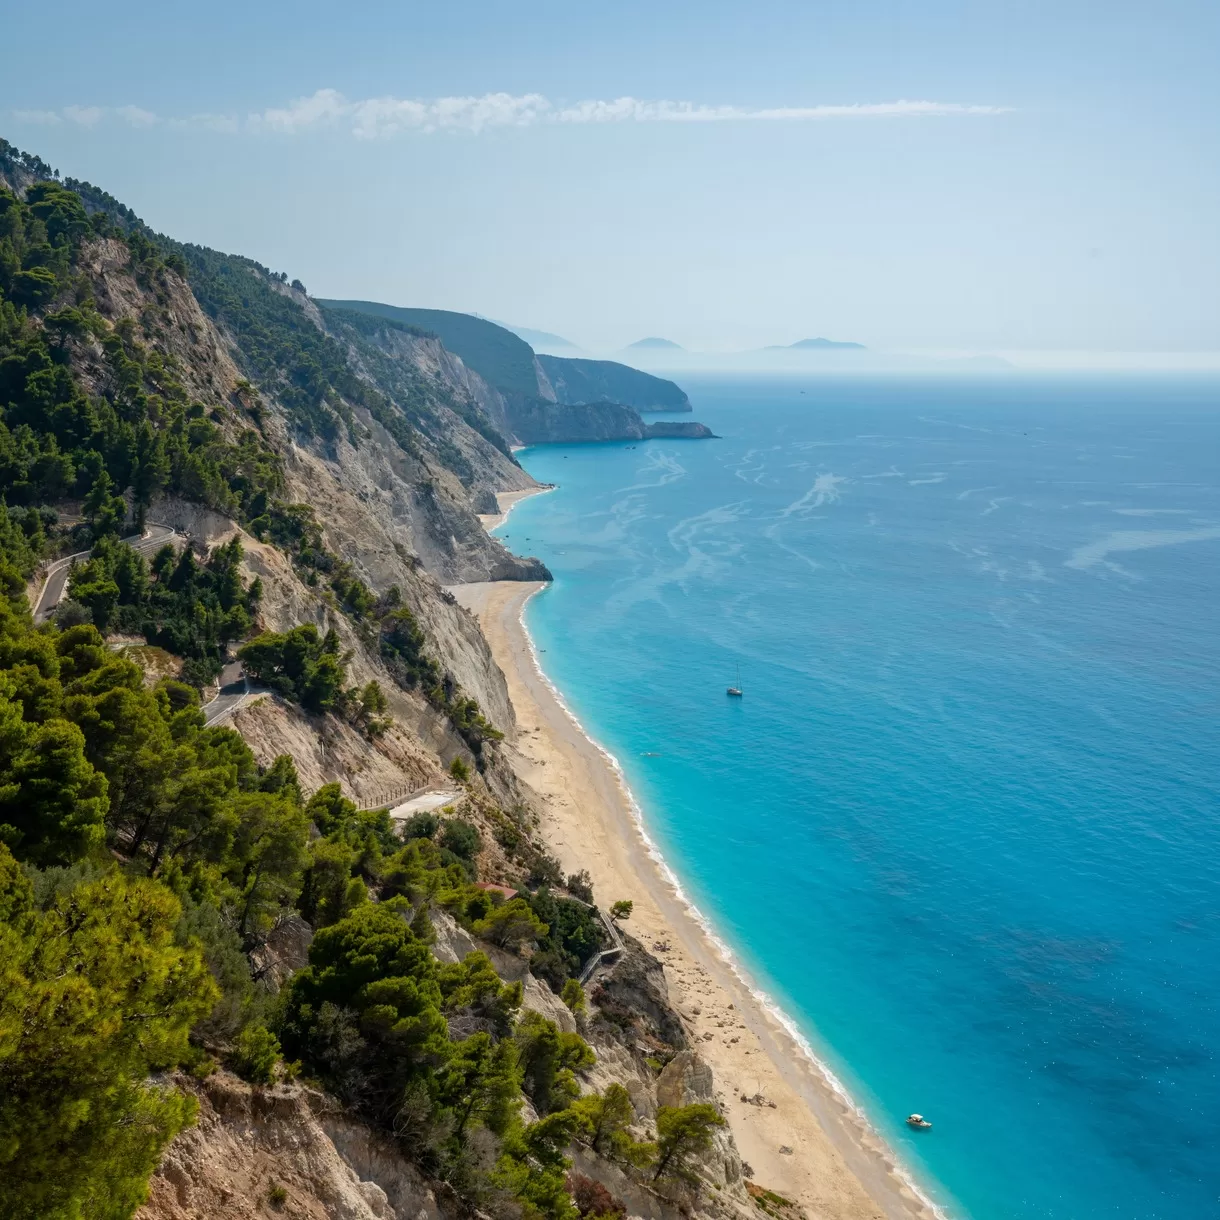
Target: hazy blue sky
1061, 191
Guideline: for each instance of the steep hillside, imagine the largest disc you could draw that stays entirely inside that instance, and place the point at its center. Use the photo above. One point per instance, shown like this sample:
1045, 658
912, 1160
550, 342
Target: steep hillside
496, 365
576, 381
500, 357
186, 901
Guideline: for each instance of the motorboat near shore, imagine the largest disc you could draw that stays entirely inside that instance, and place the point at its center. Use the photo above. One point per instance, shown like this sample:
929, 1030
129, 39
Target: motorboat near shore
918, 1122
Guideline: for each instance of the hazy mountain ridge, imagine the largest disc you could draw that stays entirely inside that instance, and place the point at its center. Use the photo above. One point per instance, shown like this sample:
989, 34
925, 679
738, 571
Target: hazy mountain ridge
577, 380
590, 400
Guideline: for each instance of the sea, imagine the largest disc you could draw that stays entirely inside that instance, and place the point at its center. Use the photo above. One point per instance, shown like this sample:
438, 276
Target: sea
963, 827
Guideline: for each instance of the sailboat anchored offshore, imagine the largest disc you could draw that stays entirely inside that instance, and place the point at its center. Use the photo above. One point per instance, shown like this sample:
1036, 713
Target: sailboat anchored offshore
735, 690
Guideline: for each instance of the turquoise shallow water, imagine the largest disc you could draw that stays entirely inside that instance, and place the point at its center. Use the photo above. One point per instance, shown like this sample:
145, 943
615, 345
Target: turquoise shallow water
964, 824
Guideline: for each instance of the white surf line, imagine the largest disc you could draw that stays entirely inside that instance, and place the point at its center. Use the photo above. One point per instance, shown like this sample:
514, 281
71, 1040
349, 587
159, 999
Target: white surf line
519, 497
772, 1008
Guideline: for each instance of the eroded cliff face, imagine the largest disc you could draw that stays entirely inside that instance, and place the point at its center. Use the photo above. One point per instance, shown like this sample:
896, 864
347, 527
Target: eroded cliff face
400, 514
287, 1149
293, 1149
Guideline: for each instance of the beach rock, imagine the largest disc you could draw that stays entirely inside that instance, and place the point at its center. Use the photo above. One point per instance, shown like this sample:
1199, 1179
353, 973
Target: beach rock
686, 1079
633, 992
453, 943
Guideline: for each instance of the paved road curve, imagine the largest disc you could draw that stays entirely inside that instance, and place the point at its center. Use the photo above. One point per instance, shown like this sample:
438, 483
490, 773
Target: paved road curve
233, 685
56, 583
233, 689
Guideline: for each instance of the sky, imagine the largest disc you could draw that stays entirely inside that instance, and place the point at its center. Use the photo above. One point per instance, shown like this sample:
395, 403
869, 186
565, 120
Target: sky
949, 177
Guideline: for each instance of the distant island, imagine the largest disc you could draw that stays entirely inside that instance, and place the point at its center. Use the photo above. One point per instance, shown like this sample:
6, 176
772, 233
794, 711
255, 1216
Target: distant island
816, 345
667, 344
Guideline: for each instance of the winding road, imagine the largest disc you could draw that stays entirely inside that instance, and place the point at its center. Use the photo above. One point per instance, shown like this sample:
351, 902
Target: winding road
233, 684
56, 583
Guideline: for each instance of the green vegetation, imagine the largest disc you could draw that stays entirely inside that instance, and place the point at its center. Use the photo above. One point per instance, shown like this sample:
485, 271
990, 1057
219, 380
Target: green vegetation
622, 909
604, 1120
573, 995
684, 1133
190, 609
574, 934
144, 856
96, 995
299, 664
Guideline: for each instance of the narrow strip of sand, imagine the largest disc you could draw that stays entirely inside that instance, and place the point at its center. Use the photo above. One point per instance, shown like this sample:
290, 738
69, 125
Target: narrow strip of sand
802, 1139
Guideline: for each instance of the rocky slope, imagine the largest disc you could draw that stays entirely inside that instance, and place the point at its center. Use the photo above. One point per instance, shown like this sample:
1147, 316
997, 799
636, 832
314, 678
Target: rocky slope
532, 399
394, 456
540, 422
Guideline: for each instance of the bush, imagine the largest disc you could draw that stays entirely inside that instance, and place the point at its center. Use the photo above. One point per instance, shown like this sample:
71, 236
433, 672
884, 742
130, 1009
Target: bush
421, 826
580, 885
299, 664
511, 925
573, 995
255, 1055
684, 1133
459, 770
461, 838
593, 1200
622, 909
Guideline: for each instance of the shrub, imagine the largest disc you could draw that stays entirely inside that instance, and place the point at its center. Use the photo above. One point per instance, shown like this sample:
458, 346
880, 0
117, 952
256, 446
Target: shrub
573, 996
255, 1054
511, 925
421, 826
622, 909
580, 885
461, 838
593, 1200
684, 1133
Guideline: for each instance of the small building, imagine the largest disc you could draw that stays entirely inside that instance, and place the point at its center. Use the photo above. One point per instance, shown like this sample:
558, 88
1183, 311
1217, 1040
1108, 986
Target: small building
491, 887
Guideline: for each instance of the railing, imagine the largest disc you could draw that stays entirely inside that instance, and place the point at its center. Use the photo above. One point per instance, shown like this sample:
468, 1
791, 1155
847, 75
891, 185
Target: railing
385, 799
616, 950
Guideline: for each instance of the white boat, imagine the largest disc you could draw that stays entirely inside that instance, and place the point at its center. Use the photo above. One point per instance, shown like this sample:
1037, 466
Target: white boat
918, 1122
736, 690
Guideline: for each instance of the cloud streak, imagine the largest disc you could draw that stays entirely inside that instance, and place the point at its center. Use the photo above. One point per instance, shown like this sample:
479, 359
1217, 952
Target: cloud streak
383, 117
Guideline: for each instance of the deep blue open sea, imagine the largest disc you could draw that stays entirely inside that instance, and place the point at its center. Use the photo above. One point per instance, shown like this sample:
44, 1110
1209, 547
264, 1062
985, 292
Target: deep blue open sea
964, 826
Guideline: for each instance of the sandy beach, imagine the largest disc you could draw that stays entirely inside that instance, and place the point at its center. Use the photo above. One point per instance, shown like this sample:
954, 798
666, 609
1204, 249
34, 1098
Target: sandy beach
799, 1136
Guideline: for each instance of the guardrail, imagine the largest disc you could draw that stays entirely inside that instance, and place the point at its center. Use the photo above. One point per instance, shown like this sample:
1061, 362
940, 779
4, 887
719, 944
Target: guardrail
385, 799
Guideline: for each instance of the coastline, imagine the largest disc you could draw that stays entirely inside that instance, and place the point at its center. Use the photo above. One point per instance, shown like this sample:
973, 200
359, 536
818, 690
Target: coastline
837, 1167
508, 500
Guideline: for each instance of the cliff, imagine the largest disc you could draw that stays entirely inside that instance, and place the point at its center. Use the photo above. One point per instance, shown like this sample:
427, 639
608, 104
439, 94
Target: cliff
527, 399
350, 460
540, 423
580, 381
677, 429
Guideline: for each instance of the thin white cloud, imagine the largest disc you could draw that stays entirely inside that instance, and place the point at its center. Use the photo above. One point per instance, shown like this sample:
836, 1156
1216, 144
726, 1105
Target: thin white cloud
380, 117
86, 116
137, 116
385, 116
376, 117
630, 109
44, 118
